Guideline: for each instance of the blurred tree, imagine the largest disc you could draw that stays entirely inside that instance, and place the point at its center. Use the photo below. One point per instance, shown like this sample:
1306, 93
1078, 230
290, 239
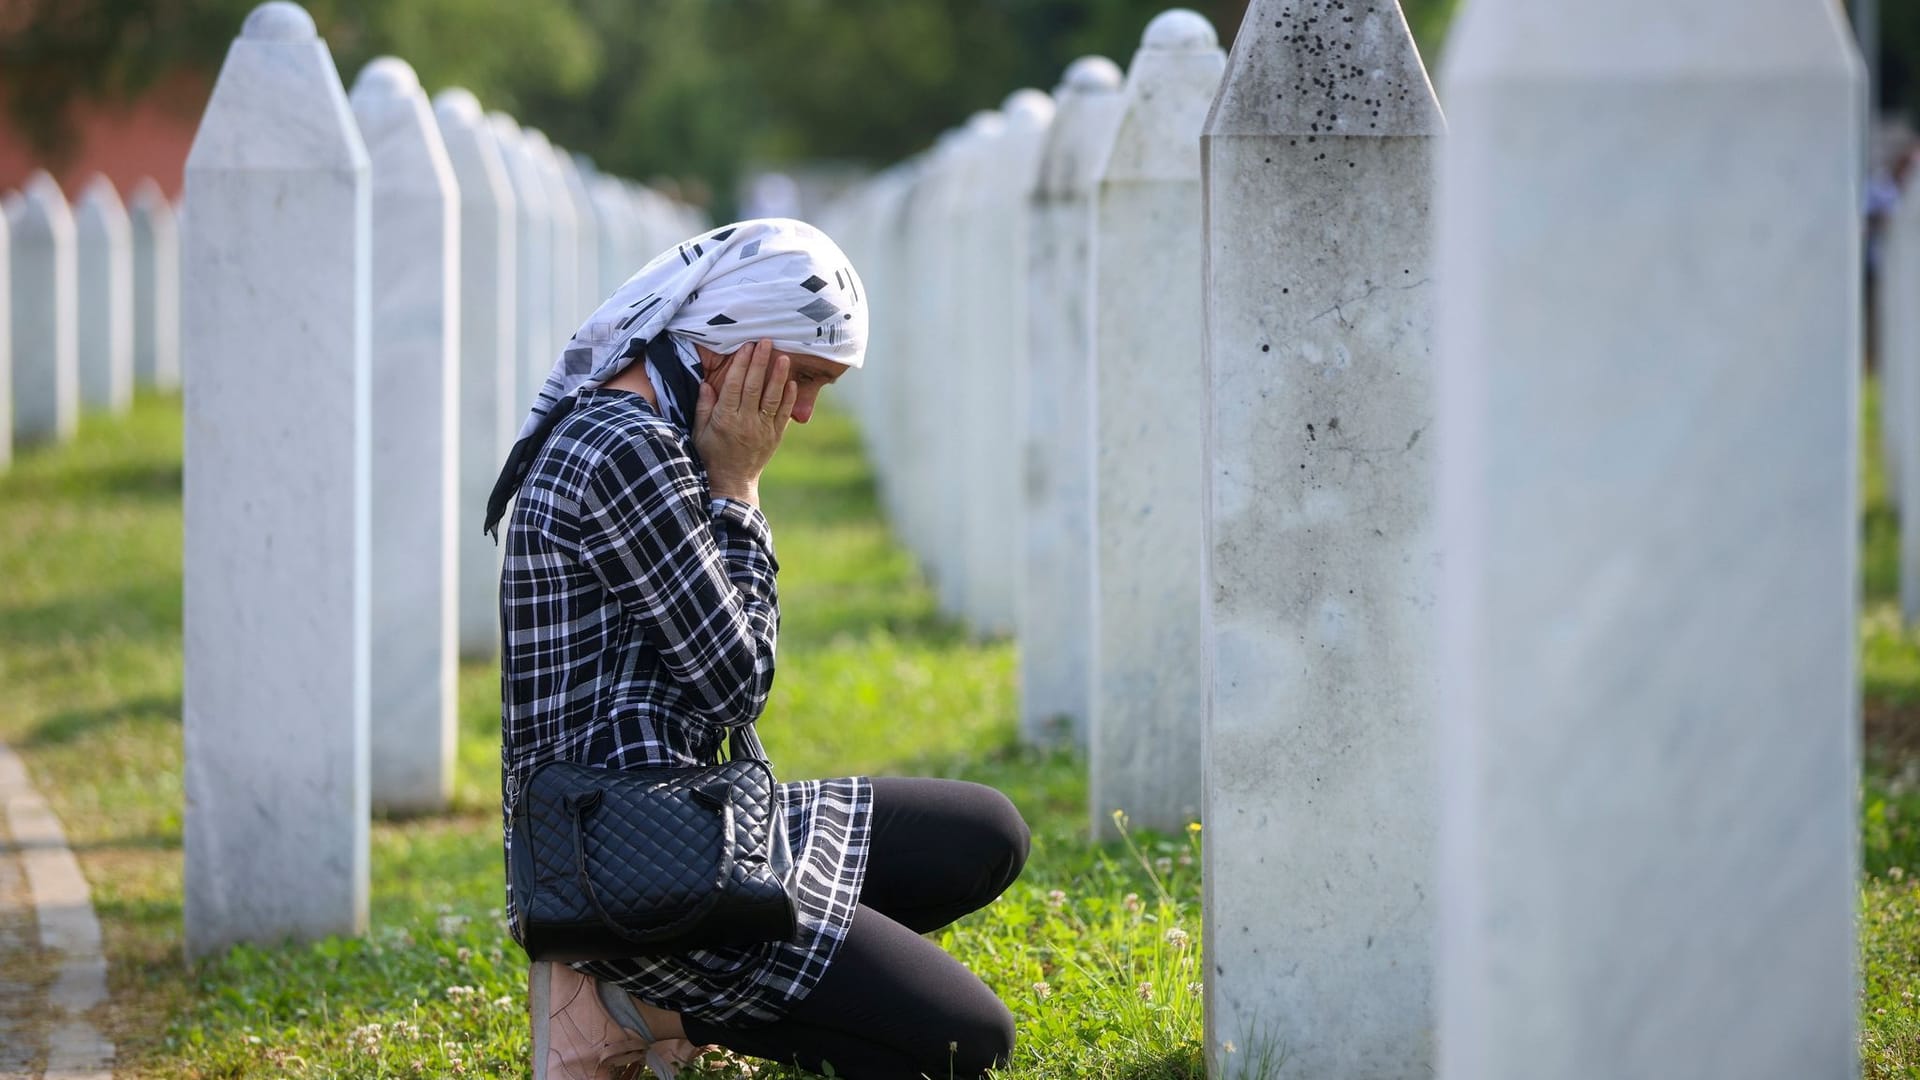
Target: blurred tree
684, 88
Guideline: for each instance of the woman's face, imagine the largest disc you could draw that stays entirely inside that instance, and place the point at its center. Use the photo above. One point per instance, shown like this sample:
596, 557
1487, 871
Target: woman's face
812, 373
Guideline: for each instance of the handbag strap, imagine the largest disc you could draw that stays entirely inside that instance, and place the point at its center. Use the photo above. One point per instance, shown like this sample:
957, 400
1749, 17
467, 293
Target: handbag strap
580, 807
743, 744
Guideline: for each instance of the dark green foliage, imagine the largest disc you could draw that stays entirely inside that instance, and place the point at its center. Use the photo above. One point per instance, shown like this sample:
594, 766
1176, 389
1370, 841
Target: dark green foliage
693, 89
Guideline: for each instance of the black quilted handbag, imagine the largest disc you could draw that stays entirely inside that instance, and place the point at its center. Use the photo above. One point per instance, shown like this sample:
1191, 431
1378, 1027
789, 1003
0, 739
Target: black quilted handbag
612, 863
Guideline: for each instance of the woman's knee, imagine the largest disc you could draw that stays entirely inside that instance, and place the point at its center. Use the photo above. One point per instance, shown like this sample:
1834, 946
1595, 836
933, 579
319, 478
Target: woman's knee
982, 1040
1006, 831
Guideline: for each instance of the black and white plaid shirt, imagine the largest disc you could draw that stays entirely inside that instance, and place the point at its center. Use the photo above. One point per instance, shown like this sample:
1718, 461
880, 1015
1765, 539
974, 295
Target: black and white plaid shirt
639, 619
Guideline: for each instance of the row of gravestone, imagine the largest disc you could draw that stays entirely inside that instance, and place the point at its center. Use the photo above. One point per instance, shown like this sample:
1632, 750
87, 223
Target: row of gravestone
90, 305
374, 288
1458, 515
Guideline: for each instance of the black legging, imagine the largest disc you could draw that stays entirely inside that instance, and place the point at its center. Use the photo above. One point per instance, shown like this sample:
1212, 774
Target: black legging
893, 1005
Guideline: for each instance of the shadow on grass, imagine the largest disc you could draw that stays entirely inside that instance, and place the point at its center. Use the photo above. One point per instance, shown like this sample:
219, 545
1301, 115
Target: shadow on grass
148, 610
74, 724
158, 481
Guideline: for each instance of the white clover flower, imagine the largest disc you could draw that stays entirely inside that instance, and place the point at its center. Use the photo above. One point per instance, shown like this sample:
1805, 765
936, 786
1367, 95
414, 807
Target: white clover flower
1177, 938
1042, 990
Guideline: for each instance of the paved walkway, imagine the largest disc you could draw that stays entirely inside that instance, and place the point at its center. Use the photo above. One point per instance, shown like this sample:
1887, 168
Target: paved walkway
40, 881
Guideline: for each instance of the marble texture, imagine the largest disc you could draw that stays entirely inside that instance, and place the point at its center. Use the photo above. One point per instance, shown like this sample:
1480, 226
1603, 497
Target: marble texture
1322, 560
935, 503
1054, 624
533, 241
1648, 735
415, 366
276, 497
46, 354
103, 263
1148, 334
156, 287
489, 353
620, 254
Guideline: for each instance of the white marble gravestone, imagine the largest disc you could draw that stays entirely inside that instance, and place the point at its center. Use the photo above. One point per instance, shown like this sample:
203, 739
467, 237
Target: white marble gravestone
46, 357
103, 261
1647, 433
1899, 357
416, 439
1322, 564
587, 239
533, 240
1009, 166
489, 351
156, 288
1055, 607
939, 418
620, 253
276, 577
6, 349
564, 223
1145, 668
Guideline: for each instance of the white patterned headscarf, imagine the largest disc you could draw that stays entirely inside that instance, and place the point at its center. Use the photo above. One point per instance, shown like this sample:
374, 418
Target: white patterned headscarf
771, 278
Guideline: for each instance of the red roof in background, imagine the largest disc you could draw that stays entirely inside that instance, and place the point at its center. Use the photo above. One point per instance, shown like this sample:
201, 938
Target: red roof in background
126, 141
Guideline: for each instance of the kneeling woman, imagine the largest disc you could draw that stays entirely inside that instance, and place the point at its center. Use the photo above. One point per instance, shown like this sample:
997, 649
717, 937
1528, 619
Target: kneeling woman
640, 613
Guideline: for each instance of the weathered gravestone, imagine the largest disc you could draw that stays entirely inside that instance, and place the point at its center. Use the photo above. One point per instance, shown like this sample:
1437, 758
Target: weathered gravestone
1321, 551
46, 357
103, 261
1056, 604
416, 438
489, 354
1647, 408
533, 239
156, 288
275, 321
1146, 679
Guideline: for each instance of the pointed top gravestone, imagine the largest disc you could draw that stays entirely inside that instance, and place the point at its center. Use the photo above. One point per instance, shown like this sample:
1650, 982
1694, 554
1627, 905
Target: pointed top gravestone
103, 245
1321, 553
275, 320
489, 346
156, 287
587, 238
564, 274
46, 357
1148, 336
1054, 613
415, 365
1648, 261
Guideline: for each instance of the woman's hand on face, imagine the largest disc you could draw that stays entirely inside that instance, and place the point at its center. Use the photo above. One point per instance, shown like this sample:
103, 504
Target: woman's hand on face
738, 425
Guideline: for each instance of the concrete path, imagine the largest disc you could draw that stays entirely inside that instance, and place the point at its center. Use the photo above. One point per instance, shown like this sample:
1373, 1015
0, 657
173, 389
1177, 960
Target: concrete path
55, 894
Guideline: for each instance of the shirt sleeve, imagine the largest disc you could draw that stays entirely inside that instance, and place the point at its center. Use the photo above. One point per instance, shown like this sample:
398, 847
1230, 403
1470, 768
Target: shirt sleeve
696, 573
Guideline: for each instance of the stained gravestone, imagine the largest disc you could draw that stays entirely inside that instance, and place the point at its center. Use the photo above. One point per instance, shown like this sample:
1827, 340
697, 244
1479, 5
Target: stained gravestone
1054, 625
416, 438
564, 223
1321, 552
156, 288
276, 579
1647, 414
533, 240
1145, 668
103, 260
46, 357
489, 349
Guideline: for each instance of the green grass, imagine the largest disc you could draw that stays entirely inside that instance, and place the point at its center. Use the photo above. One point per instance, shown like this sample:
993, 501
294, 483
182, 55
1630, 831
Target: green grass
1084, 948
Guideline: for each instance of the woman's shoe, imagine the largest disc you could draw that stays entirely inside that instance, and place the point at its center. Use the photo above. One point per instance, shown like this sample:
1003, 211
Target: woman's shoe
574, 1037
